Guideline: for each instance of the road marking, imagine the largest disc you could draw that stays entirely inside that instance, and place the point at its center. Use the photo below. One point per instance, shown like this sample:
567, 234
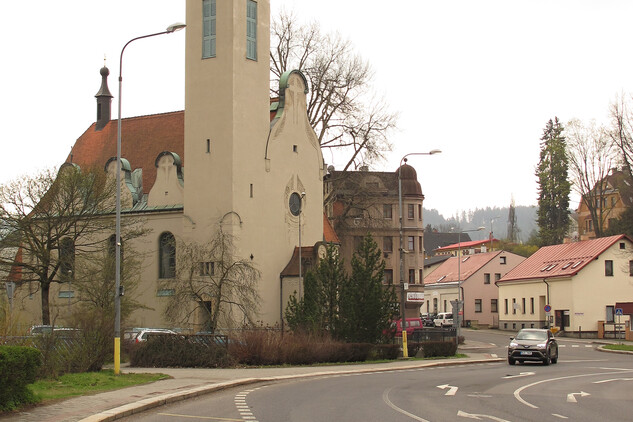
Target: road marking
571, 397
478, 417
517, 392
482, 396
451, 389
200, 417
613, 379
521, 374
385, 398
559, 416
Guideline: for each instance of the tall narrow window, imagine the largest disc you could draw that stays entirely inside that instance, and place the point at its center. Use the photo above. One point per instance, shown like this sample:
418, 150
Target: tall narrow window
523, 303
387, 244
410, 211
251, 29
412, 276
387, 211
493, 305
419, 212
411, 243
486, 278
208, 28
66, 259
608, 268
477, 305
167, 256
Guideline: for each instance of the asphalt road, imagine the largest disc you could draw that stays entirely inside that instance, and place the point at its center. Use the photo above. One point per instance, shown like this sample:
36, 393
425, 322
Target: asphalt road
586, 385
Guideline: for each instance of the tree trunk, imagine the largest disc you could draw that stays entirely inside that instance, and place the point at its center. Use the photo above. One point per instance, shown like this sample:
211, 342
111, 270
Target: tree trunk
46, 316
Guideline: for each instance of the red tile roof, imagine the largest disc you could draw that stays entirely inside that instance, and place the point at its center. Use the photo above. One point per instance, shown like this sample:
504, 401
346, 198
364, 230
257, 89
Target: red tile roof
142, 139
329, 235
449, 270
561, 260
466, 244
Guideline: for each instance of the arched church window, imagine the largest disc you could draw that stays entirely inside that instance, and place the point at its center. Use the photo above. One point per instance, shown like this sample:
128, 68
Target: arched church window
167, 256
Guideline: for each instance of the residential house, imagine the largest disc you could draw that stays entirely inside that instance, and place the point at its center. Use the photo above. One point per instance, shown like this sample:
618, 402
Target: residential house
610, 197
469, 247
571, 287
476, 276
362, 202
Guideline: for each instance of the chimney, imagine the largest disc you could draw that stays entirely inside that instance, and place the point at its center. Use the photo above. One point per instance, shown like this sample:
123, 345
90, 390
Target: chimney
104, 100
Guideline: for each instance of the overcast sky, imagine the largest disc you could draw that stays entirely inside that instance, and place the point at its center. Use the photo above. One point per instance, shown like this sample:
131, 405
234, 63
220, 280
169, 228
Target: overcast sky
477, 79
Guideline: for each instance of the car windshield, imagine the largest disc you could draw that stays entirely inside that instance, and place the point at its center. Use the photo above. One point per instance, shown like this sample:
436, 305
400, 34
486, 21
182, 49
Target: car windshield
532, 335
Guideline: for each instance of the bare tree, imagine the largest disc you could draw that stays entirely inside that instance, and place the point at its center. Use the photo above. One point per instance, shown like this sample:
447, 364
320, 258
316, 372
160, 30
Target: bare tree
621, 131
212, 285
341, 107
49, 219
591, 156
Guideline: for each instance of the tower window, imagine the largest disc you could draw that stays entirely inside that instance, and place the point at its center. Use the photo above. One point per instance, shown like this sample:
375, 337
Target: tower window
167, 256
251, 29
208, 146
208, 28
295, 148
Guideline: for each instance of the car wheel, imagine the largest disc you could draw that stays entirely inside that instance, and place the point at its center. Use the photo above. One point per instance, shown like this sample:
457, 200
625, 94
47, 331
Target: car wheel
511, 361
548, 358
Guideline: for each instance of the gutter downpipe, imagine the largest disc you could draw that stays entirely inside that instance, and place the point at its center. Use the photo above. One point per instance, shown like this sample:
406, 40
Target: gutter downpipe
545, 281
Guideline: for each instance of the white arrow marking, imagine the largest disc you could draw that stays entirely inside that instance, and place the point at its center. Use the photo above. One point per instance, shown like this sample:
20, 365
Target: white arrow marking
571, 397
451, 389
614, 379
521, 374
478, 417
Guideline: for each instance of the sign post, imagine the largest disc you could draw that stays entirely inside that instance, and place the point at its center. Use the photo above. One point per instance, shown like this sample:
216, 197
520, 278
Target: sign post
619, 312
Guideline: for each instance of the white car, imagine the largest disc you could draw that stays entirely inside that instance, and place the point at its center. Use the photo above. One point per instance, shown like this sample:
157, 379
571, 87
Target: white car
142, 335
444, 319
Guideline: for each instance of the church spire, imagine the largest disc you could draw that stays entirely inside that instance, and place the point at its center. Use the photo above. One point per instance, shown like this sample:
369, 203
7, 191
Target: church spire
104, 100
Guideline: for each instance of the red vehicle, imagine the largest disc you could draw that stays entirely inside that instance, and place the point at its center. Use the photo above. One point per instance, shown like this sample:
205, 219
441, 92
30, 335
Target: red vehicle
411, 324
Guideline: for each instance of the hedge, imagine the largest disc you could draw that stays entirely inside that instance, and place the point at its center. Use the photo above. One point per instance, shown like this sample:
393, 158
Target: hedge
19, 367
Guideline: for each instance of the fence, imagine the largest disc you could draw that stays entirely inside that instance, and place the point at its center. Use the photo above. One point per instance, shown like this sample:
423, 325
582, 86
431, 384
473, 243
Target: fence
423, 335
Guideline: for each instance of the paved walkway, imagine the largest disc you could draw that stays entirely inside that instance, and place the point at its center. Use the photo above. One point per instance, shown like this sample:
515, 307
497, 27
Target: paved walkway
189, 382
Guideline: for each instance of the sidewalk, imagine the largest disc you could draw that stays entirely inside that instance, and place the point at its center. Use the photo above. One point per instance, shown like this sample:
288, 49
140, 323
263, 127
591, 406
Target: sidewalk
192, 382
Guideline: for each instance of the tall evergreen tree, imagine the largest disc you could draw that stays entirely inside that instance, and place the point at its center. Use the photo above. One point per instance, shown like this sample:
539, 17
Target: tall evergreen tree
367, 306
554, 186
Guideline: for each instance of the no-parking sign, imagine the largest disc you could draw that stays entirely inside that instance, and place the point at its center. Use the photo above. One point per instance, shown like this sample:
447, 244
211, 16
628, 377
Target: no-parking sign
548, 308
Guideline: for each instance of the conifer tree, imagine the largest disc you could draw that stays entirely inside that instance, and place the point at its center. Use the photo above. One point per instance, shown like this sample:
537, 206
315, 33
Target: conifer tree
554, 186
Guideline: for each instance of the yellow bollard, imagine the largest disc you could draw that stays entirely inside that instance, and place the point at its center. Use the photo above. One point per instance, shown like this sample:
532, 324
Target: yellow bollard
405, 348
117, 355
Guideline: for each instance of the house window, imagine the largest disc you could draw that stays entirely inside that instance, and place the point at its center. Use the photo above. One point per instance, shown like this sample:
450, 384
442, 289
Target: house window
631, 268
66, 294
165, 292
208, 28
411, 276
167, 256
610, 313
410, 211
502, 260
421, 244
420, 212
477, 305
421, 278
589, 225
514, 306
208, 146
387, 244
622, 245
506, 305
411, 243
445, 308
486, 278
497, 276
493, 306
251, 29
387, 211
388, 276
608, 268
523, 303
532, 305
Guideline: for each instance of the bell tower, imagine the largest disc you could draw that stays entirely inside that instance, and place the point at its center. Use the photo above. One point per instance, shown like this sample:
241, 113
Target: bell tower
226, 104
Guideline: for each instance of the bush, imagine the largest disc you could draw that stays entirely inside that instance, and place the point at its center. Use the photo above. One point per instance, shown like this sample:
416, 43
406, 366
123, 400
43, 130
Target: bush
169, 351
19, 367
439, 348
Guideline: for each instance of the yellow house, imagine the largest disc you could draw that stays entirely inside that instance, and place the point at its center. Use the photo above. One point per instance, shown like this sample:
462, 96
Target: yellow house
572, 287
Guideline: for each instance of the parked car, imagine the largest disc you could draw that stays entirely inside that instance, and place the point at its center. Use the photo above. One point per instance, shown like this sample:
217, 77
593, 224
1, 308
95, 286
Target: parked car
38, 330
533, 344
444, 319
411, 324
428, 319
144, 334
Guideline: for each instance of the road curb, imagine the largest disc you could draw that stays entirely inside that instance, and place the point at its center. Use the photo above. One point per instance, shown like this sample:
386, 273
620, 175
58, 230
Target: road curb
621, 352
150, 403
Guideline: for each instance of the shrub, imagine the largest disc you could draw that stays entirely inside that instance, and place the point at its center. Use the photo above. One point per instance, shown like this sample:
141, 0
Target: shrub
19, 367
439, 348
168, 350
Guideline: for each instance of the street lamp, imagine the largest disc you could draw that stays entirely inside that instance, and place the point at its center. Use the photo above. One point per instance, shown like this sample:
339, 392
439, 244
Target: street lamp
117, 284
459, 276
405, 352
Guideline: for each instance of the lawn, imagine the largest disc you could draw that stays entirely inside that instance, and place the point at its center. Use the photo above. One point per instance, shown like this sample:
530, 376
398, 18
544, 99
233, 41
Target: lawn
70, 385
626, 347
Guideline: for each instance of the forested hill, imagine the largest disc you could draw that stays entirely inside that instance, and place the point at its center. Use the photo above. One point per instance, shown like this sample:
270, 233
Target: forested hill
525, 221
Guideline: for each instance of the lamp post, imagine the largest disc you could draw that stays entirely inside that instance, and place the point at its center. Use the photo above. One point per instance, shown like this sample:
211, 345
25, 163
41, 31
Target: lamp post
303, 195
459, 276
117, 283
405, 352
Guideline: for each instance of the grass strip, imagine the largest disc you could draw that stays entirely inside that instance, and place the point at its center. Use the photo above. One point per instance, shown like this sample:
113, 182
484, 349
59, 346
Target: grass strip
626, 347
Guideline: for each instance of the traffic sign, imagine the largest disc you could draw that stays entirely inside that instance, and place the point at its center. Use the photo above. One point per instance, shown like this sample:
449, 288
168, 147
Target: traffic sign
548, 308
619, 312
